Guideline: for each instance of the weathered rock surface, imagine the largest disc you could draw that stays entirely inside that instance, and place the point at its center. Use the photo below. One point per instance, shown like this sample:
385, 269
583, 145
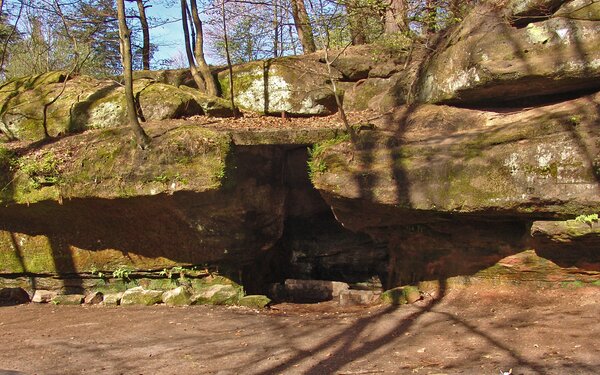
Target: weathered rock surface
93, 298
68, 299
312, 290
141, 296
179, 296
292, 85
487, 60
569, 243
43, 296
13, 296
217, 294
112, 299
357, 297
254, 301
528, 266
440, 159
401, 295
566, 232
87, 103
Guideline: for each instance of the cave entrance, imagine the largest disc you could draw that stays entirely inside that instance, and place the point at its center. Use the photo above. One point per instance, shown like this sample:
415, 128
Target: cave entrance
313, 245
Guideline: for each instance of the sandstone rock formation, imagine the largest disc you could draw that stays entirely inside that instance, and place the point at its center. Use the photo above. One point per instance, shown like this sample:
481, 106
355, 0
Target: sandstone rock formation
482, 149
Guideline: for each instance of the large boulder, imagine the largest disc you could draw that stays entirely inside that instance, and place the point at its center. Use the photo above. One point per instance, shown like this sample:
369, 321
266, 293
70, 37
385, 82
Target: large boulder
487, 60
298, 86
444, 159
141, 296
83, 103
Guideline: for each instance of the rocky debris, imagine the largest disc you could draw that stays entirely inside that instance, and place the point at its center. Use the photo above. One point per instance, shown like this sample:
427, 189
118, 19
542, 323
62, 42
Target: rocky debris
312, 290
68, 299
488, 61
141, 296
254, 301
13, 296
43, 296
93, 298
357, 297
217, 294
112, 299
401, 295
179, 296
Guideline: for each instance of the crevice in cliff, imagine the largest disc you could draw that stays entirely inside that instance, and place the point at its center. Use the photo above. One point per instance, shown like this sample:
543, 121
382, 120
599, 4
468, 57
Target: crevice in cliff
523, 103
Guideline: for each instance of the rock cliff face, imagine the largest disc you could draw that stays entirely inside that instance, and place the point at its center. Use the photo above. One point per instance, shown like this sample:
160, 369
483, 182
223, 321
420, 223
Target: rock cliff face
475, 162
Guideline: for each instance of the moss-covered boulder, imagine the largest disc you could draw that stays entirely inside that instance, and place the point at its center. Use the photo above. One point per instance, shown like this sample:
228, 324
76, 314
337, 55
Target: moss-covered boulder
217, 294
179, 296
111, 166
68, 299
294, 85
401, 295
488, 60
141, 296
112, 299
85, 103
211, 105
254, 301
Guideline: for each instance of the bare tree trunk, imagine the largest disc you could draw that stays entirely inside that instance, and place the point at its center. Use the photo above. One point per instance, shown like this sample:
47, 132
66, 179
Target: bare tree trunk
9, 37
395, 17
275, 29
188, 49
145, 35
141, 137
229, 67
209, 79
357, 25
303, 27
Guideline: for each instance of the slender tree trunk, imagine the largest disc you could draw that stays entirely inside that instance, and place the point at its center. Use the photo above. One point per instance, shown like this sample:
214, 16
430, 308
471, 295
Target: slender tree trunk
395, 17
275, 29
145, 35
188, 49
209, 79
229, 67
357, 25
141, 137
303, 27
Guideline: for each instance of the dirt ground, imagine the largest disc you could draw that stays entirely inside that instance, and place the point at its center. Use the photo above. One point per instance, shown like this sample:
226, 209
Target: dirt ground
475, 330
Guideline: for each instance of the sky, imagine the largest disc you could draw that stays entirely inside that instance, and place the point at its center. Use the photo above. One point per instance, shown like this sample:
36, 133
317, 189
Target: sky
169, 37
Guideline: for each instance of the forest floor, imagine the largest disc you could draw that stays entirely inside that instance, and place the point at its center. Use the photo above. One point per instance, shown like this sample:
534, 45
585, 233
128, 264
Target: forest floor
471, 330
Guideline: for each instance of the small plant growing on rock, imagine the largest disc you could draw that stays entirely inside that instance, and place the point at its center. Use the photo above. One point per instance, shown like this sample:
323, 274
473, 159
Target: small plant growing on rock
42, 171
587, 219
575, 120
123, 273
